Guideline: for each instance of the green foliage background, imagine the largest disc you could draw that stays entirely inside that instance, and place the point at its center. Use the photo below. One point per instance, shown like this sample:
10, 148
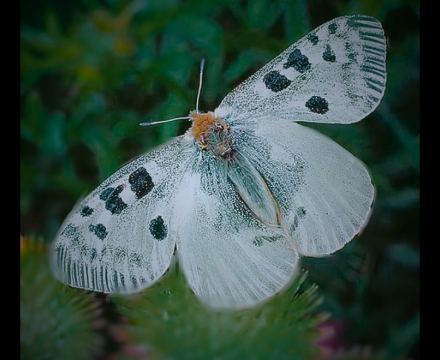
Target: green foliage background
91, 71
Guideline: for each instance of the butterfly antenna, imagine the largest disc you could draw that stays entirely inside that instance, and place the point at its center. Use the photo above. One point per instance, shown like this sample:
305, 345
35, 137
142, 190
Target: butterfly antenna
202, 65
151, 123
164, 121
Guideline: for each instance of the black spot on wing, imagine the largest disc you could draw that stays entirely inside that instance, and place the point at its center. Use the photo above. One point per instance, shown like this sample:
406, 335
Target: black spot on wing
275, 81
298, 61
106, 193
99, 230
349, 50
141, 182
158, 228
300, 214
328, 54
135, 260
332, 28
113, 202
294, 224
313, 38
86, 211
317, 105
259, 240
352, 56
69, 230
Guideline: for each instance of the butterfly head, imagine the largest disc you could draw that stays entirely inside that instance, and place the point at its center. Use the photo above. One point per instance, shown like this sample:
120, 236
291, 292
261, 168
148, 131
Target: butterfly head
212, 134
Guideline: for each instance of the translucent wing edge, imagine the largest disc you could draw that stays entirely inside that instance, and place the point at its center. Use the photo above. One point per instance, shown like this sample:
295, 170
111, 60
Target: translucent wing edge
374, 65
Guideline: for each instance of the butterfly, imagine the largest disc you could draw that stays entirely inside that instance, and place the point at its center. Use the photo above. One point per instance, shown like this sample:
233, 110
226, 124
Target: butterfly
246, 190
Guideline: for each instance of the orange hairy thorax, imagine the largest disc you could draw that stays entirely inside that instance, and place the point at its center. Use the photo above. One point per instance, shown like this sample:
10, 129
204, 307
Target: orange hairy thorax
202, 123
212, 135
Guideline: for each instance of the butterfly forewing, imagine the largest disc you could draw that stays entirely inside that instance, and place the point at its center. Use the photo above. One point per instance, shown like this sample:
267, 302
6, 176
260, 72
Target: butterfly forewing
335, 74
120, 237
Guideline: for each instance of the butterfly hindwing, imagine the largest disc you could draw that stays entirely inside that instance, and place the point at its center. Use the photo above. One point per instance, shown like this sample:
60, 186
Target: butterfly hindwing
229, 258
120, 237
335, 74
324, 192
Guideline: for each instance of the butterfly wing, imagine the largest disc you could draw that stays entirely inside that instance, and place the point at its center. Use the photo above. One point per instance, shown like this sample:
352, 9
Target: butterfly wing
120, 237
230, 259
335, 74
325, 193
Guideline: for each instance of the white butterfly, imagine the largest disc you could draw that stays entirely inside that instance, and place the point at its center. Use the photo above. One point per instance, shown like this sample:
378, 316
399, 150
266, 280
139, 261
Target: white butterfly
246, 190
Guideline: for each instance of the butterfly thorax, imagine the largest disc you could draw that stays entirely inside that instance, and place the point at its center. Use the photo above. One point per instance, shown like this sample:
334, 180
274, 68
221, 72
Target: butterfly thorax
212, 135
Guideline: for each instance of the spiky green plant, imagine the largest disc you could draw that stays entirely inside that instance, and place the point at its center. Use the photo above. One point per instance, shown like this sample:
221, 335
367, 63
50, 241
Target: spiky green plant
168, 322
56, 322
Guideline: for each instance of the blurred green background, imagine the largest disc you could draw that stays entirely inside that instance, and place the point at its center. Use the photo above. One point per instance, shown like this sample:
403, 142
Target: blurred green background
91, 71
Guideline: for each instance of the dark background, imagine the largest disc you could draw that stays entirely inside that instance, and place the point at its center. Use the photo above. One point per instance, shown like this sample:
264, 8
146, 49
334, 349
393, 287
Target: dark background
91, 71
